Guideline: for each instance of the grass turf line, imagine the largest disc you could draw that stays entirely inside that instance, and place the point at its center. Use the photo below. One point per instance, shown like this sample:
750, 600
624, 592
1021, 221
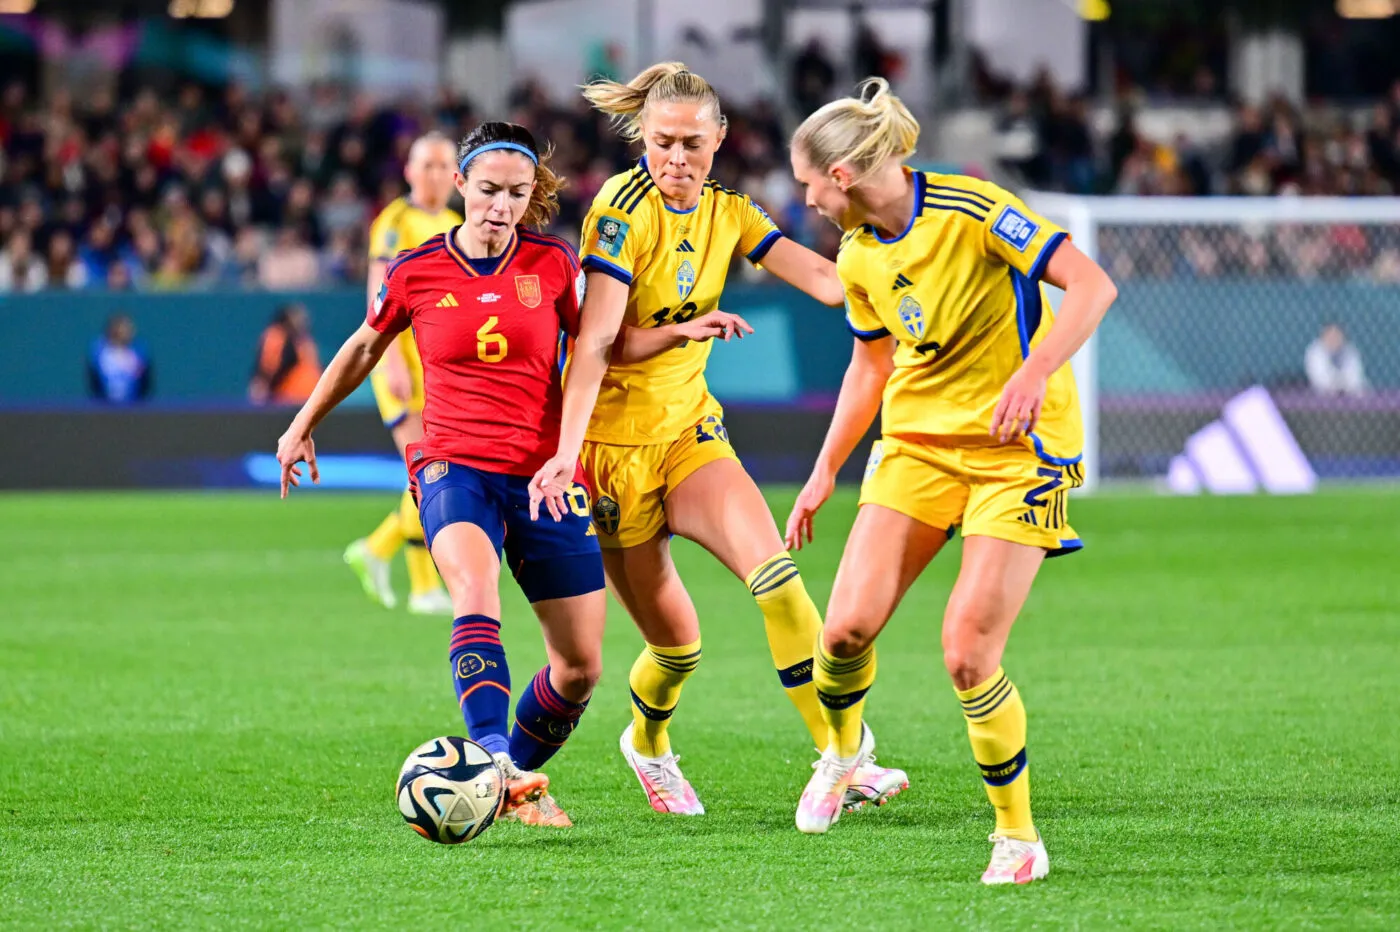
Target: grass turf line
201, 719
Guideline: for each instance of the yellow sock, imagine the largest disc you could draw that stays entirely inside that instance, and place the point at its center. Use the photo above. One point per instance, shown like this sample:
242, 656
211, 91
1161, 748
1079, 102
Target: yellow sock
842, 683
386, 539
422, 572
792, 623
996, 725
656, 680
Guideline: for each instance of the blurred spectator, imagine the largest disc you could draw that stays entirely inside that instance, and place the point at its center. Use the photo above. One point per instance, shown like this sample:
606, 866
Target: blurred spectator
118, 368
65, 270
812, 77
290, 264
287, 364
20, 268
1333, 364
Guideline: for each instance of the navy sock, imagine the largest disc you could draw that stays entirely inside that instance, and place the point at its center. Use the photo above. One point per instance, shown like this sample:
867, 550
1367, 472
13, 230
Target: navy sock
543, 722
482, 680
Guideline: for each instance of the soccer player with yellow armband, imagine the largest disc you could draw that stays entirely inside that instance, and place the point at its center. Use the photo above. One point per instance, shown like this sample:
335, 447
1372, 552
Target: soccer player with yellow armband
968, 367
398, 379
656, 246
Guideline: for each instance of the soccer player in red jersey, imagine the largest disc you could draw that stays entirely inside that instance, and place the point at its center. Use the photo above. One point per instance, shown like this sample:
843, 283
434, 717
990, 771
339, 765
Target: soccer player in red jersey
487, 301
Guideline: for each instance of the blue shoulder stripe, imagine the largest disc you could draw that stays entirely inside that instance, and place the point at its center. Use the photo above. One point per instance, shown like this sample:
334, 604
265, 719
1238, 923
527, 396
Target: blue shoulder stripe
426, 249
546, 239
980, 218
932, 195
964, 191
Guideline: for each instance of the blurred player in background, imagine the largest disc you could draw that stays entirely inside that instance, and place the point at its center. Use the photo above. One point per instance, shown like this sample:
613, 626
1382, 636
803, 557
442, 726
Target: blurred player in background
398, 379
486, 303
657, 245
980, 430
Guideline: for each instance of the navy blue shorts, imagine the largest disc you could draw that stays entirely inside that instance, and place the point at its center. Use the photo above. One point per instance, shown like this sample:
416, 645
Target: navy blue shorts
549, 559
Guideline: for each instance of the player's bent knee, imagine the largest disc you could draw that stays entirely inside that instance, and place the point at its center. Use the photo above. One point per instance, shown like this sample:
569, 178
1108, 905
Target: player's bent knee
575, 679
969, 665
848, 639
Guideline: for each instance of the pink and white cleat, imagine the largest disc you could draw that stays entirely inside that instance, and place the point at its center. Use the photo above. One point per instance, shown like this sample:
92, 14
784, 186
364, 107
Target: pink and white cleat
1015, 861
667, 789
872, 783
825, 794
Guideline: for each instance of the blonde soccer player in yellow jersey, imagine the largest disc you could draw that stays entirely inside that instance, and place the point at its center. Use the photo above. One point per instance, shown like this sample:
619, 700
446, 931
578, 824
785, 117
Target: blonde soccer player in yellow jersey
657, 246
398, 379
980, 431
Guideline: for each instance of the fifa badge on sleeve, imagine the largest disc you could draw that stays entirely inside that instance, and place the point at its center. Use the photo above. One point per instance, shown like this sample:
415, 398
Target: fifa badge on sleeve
611, 234
1015, 228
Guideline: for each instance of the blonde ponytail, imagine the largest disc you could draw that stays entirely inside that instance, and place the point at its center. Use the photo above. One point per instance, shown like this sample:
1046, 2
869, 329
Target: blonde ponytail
665, 82
862, 131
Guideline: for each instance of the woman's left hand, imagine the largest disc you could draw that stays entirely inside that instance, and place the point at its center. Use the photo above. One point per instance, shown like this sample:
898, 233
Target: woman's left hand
1018, 411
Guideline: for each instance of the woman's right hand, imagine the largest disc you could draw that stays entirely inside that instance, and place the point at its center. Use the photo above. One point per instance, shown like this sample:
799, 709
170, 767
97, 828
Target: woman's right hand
549, 485
295, 447
814, 494
719, 324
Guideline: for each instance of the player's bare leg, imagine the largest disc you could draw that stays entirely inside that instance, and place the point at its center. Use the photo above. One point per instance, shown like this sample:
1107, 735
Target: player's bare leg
992, 586
721, 509
644, 580
573, 641
426, 595
470, 568
370, 557
863, 597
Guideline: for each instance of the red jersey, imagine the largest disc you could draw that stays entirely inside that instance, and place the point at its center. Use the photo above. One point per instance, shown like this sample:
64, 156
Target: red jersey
489, 339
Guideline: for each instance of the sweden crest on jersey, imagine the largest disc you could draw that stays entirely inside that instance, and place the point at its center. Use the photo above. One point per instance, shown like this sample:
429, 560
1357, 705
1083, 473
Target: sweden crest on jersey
911, 314
685, 279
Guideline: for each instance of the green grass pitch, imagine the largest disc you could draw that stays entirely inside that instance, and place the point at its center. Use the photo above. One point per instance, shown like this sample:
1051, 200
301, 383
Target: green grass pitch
201, 720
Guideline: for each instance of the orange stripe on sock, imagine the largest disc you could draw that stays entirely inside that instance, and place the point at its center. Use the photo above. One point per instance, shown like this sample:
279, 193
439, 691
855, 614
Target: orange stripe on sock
554, 744
478, 686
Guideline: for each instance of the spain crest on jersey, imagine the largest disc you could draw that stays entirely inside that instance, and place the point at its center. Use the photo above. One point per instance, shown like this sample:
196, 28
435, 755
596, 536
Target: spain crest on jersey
911, 314
527, 289
685, 279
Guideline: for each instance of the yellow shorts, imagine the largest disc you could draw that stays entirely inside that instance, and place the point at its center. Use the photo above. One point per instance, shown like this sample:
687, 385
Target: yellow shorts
391, 409
630, 483
1004, 492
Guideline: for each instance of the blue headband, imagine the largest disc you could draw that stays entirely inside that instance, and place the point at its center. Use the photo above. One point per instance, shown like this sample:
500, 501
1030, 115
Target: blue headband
487, 147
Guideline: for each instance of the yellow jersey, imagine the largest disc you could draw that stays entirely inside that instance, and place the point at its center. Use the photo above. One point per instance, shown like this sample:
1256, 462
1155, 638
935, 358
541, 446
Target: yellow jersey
960, 291
403, 225
674, 264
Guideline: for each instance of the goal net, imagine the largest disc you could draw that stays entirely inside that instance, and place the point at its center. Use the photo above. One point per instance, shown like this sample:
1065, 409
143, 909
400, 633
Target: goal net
1292, 302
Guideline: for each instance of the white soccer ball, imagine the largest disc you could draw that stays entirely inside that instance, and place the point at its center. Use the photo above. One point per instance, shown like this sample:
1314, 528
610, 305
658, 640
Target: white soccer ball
449, 790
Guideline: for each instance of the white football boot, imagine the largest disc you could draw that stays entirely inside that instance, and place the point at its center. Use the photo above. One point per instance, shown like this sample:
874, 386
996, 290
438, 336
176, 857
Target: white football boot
825, 795
433, 602
872, 783
372, 572
667, 789
1015, 861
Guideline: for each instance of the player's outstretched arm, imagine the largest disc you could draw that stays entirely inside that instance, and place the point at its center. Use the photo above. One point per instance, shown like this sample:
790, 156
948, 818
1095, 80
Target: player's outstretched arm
1088, 293
806, 271
600, 318
350, 367
638, 344
872, 362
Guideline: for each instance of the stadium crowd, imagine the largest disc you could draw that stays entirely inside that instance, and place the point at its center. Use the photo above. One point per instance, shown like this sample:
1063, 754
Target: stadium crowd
235, 190
230, 189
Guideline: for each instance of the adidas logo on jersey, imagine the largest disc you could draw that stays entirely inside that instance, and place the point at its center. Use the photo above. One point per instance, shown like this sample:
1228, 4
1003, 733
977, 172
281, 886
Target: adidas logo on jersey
901, 282
685, 246
448, 301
